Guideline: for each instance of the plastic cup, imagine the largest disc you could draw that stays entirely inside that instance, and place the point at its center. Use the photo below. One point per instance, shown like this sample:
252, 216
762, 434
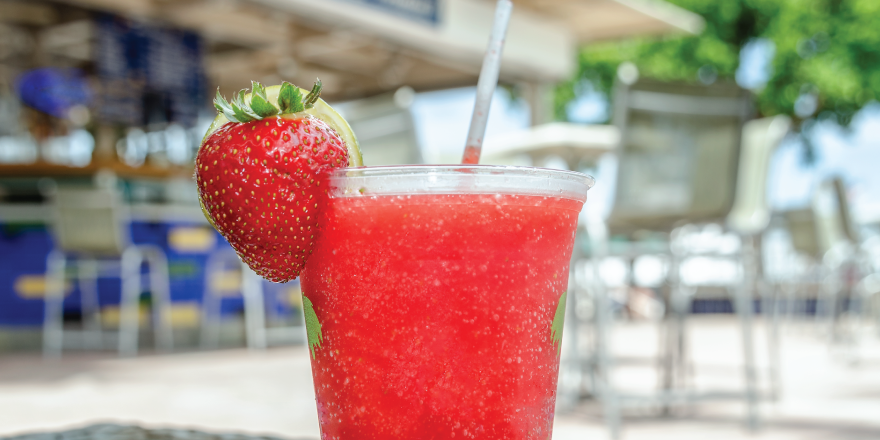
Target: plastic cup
435, 299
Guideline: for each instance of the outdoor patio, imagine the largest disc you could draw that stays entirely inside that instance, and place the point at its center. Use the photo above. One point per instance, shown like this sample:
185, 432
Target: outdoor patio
827, 392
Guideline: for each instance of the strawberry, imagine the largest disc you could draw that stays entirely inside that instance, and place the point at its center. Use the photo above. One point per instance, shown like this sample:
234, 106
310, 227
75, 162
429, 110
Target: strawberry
261, 173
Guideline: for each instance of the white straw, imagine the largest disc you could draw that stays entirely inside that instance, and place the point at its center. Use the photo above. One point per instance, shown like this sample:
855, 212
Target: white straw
486, 84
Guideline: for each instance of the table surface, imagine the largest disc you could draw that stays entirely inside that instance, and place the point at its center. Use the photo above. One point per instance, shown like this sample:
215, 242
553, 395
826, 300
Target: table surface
128, 432
147, 212
42, 169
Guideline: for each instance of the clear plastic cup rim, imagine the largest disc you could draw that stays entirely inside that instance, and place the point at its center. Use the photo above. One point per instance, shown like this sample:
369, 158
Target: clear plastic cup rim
459, 179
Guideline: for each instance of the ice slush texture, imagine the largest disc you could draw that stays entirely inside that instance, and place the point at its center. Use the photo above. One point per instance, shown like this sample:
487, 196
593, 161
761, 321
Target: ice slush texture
436, 315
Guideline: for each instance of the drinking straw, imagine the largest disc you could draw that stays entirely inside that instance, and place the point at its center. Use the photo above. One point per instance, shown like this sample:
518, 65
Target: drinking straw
487, 82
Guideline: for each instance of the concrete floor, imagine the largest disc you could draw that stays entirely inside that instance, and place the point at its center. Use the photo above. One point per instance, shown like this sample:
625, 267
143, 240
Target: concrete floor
827, 392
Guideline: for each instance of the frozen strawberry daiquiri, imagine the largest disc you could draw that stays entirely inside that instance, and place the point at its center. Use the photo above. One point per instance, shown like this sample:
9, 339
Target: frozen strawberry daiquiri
435, 300
434, 296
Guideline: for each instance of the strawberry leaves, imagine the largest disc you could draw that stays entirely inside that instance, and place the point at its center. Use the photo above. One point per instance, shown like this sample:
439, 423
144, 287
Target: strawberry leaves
290, 100
223, 106
243, 113
260, 103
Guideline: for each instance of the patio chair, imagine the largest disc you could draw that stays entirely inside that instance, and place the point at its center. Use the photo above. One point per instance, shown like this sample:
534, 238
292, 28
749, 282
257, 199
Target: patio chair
679, 153
225, 264
92, 237
687, 156
844, 269
842, 260
824, 233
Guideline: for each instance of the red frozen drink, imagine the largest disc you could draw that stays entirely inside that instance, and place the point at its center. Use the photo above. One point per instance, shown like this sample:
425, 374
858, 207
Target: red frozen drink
435, 299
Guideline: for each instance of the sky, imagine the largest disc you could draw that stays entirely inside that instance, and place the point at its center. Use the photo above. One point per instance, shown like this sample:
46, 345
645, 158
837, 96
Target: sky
442, 119
852, 153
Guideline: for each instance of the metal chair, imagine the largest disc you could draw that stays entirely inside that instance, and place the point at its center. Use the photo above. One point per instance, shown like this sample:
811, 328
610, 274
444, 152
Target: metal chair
91, 236
824, 233
687, 156
749, 217
225, 265
843, 262
678, 157
844, 268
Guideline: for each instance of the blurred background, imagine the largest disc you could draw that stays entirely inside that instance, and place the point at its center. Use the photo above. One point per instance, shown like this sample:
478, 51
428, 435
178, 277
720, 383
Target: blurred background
725, 274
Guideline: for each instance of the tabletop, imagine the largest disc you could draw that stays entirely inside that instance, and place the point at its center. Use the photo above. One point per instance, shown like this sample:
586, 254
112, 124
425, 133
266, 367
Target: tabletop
128, 432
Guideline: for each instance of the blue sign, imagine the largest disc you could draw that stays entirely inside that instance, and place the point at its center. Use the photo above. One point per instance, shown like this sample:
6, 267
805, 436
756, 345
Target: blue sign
53, 90
148, 73
419, 10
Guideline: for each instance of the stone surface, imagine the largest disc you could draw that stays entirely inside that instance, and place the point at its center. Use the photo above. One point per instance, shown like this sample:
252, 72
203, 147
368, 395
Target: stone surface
123, 432
827, 391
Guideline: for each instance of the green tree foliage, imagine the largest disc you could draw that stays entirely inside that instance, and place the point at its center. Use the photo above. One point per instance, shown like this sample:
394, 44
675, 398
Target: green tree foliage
826, 48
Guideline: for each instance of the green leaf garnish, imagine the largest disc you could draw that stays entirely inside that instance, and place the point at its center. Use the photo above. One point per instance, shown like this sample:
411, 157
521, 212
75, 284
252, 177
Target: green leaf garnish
313, 326
290, 99
558, 324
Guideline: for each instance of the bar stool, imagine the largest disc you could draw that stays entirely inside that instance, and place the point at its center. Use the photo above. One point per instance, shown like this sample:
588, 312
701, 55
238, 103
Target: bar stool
682, 164
92, 236
258, 334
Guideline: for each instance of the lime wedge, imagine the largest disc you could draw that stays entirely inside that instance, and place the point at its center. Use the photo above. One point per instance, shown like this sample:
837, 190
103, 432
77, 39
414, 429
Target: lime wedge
322, 111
